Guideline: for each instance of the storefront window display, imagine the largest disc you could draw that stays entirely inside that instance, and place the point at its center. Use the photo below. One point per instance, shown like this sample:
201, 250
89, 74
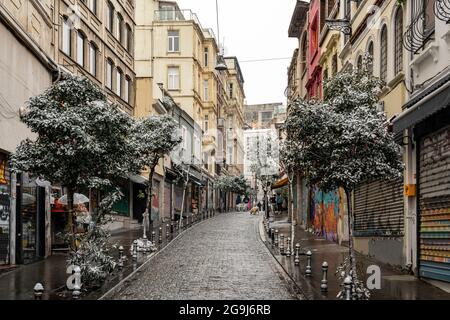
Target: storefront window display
28, 219
4, 209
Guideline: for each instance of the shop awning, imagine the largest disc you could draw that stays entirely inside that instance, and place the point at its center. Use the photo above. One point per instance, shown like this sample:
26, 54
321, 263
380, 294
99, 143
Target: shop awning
137, 178
418, 110
280, 183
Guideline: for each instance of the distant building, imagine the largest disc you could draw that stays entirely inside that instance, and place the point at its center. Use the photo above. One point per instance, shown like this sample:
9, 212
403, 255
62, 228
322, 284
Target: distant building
261, 116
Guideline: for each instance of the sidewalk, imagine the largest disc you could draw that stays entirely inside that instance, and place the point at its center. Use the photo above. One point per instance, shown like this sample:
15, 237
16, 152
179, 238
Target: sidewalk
18, 283
394, 285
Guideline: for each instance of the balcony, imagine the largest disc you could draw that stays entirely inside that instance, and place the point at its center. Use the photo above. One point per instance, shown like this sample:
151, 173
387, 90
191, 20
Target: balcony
209, 139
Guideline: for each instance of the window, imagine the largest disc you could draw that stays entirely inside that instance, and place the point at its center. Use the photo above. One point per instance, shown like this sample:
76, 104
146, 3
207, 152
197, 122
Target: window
314, 36
334, 65
119, 27
174, 41
370, 52
347, 16
174, 78
184, 137
129, 38
206, 124
206, 160
325, 75
109, 68
383, 53
428, 23
206, 57
93, 59
93, 6
303, 52
80, 48
359, 62
230, 155
66, 37
167, 13
230, 90
110, 17
398, 54
126, 95
330, 6
119, 77
205, 90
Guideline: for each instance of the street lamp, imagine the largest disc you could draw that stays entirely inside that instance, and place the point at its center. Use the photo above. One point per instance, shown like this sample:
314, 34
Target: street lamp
221, 65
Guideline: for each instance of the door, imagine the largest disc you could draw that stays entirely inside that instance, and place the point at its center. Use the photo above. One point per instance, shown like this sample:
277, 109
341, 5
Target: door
139, 201
434, 205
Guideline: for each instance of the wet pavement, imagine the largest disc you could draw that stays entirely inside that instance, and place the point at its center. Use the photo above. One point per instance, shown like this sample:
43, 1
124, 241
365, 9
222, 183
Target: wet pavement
18, 283
222, 258
394, 284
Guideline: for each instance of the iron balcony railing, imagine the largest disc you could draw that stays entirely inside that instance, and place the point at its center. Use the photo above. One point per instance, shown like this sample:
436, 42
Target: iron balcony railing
417, 35
442, 10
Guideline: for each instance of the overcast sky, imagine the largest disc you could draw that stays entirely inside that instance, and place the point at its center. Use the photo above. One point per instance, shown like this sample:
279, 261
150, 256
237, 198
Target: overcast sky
253, 29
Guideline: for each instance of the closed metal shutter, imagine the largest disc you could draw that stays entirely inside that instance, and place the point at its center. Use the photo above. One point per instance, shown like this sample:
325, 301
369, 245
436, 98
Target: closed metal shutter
434, 204
167, 200
378, 209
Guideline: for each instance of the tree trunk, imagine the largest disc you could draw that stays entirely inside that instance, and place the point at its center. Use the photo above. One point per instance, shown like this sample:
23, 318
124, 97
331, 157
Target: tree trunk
291, 204
72, 225
184, 196
350, 231
148, 207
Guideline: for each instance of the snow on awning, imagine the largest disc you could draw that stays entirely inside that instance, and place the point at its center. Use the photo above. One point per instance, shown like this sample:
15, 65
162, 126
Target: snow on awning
137, 179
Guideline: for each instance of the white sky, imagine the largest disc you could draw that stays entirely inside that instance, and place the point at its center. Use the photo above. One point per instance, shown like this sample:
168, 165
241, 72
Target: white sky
253, 29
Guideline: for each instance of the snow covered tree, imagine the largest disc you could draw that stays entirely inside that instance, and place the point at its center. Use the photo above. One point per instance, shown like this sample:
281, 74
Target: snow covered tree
154, 137
82, 142
343, 141
234, 184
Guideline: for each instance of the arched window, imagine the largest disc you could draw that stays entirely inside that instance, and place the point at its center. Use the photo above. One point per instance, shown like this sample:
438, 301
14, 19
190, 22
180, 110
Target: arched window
398, 54
370, 53
119, 77
110, 17
66, 37
359, 62
383, 53
303, 53
80, 47
119, 28
129, 38
93, 59
109, 70
127, 89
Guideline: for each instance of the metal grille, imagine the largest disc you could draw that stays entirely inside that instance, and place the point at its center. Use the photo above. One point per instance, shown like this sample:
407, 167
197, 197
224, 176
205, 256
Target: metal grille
399, 40
383, 54
378, 208
434, 201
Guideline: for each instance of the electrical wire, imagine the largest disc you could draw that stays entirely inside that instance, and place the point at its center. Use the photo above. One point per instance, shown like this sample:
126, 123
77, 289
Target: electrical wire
267, 59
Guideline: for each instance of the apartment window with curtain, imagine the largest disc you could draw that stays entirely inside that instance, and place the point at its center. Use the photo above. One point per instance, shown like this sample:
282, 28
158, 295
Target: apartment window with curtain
174, 41
304, 52
205, 90
119, 77
383, 53
66, 37
398, 54
93, 59
80, 48
174, 78
110, 17
109, 70
119, 28
206, 57
127, 89
359, 62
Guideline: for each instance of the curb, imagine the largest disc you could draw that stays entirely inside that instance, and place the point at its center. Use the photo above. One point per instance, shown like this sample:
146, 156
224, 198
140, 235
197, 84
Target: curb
121, 284
298, 291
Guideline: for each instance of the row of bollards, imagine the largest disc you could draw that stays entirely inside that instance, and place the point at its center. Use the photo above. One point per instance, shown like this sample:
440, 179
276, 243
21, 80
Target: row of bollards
278, 240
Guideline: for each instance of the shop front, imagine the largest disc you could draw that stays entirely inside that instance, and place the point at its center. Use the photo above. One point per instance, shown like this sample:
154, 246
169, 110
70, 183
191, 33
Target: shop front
5, 208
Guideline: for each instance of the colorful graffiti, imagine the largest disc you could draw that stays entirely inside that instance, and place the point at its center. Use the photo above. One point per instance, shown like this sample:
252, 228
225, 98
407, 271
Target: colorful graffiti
327, 212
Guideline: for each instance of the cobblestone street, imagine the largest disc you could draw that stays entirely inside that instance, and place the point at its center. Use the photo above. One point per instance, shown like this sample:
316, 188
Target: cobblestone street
221, 258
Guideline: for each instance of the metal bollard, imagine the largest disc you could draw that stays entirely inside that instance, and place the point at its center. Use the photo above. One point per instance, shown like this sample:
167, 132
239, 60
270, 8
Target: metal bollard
38, 291
288, 251
348, 288
272, 234
167, 231
276, 237
297, 254
120, 263
324, 282
308, 264
135, 244
171, 227
153, 236
77, 285
160, 235
282, 244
